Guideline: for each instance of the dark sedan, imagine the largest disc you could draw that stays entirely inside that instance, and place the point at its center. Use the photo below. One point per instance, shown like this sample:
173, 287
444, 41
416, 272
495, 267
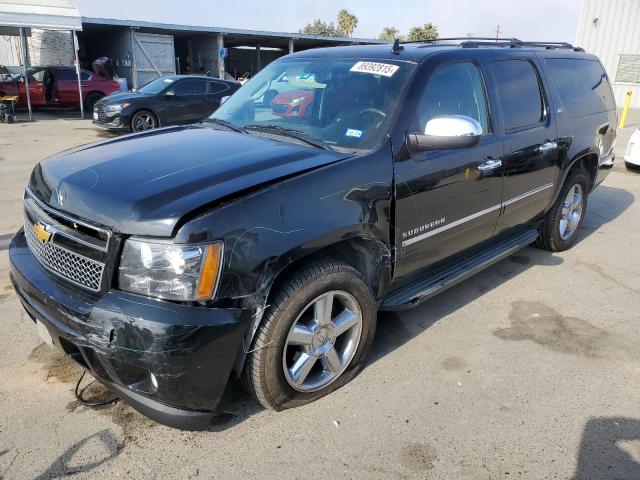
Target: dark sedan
173, 100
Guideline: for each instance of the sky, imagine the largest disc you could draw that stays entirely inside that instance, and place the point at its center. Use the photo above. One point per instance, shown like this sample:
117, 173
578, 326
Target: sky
546, 20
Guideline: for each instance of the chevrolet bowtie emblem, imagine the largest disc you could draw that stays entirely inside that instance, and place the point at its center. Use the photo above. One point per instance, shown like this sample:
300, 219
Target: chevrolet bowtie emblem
41, 232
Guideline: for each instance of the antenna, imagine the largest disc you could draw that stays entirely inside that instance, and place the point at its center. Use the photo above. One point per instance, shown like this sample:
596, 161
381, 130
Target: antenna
397, 48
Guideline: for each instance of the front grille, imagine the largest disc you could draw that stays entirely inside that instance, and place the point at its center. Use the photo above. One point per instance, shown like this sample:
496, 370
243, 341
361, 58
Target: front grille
76, 252
102, 116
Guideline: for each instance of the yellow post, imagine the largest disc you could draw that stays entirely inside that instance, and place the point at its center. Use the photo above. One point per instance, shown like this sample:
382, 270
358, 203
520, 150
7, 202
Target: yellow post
625, 109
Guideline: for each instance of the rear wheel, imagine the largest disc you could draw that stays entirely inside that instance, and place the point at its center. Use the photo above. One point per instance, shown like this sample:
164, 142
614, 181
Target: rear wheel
91, 100
314, 336
561, 226
143, 120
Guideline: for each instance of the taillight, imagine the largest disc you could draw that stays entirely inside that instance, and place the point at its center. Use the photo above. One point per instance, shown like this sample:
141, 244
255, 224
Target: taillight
115, 85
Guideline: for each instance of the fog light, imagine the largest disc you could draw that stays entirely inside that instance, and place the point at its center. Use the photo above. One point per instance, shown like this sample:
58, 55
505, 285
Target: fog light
116, 121
154, 380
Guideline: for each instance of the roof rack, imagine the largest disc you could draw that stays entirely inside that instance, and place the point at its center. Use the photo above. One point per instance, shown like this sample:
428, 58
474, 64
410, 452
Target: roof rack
474, 42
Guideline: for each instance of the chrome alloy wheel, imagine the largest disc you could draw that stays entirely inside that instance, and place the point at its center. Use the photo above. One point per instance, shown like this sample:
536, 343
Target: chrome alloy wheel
322, 341
144, 121
571, 212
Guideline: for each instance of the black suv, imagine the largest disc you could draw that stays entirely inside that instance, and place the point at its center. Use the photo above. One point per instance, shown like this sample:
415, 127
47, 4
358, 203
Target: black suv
262, 246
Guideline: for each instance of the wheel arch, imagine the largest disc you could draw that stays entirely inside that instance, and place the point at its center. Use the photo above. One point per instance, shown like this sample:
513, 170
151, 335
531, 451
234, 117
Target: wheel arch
146, 109
367, 254
586, 160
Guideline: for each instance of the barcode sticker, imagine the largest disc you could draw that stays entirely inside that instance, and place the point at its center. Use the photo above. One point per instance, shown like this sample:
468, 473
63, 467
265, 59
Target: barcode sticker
374, 68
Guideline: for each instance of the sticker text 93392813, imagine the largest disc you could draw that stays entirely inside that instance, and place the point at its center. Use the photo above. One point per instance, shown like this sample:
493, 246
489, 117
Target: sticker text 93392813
375, 68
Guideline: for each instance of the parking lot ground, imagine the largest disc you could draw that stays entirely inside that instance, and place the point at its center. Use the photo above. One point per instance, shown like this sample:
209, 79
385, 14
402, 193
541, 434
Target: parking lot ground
529, 370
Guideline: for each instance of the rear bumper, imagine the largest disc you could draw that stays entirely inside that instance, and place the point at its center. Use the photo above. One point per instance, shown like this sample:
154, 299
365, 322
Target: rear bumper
169, 361
605, 165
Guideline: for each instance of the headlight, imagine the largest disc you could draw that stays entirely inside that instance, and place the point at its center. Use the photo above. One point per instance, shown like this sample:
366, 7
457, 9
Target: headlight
168, 271
297, 100
116, 108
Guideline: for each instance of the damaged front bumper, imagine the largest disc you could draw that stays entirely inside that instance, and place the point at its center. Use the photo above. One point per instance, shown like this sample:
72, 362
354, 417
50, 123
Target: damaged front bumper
169, 361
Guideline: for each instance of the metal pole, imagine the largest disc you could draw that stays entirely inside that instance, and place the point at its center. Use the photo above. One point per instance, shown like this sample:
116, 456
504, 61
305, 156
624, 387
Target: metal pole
258, 59
134, 67
76, 59
25, 61
220, 59
291, 41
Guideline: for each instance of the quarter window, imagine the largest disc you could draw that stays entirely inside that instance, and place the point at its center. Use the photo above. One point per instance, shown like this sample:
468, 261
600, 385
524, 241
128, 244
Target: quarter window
217, 87
520, 93
454, 89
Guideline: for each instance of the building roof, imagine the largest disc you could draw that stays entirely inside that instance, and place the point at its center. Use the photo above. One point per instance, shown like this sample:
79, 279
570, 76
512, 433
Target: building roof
232, 35
46, 14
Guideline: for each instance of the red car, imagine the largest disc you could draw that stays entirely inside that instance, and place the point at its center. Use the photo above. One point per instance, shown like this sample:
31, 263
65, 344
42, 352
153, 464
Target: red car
58, 86
292, 104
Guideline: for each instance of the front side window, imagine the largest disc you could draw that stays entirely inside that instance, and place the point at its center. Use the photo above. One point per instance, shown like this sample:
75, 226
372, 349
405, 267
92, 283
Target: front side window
344, 103
520, 93
454, 89
190, 86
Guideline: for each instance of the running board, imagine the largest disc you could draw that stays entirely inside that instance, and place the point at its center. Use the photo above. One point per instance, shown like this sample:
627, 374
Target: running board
421, 290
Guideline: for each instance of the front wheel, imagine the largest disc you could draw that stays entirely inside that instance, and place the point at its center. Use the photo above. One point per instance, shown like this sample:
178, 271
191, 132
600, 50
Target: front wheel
143, 120
314, 337
561, 226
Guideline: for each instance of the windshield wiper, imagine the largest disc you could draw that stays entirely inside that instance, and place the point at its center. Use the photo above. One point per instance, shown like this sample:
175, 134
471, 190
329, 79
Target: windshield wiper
290, 132
226, 124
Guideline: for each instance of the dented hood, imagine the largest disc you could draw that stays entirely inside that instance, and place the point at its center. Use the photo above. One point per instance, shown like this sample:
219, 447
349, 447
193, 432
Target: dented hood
143, 184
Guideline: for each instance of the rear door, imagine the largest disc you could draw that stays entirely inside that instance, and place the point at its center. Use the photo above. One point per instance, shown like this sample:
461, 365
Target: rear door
36, 88
530, 140
446, 201
67, 85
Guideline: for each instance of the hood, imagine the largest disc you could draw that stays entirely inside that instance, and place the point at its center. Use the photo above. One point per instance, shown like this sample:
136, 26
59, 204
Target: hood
143, 184
118, 97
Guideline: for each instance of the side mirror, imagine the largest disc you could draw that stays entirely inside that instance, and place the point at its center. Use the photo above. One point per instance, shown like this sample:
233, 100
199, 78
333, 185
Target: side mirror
224, 99
446, 133
169, 93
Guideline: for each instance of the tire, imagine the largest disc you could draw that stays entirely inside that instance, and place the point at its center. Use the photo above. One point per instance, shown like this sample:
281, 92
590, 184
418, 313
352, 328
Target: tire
267, 375
269, 95
143, 120
554, 235
91, 99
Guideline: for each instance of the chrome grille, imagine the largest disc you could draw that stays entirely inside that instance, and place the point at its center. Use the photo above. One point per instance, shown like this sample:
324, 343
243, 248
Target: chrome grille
58, 253
72, 266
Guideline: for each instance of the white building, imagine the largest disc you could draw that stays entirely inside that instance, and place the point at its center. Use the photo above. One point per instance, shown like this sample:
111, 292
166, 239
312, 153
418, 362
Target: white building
611, 30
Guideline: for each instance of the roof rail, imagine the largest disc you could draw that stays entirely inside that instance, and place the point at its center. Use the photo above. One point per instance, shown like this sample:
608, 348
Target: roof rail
473, 42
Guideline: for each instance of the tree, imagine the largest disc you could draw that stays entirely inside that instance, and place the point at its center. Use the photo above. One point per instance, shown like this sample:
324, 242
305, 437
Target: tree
347, 23
318, 27
389, 33
427, 32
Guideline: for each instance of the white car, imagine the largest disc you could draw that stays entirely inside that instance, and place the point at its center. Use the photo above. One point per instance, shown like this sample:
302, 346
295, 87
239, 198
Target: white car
632, 155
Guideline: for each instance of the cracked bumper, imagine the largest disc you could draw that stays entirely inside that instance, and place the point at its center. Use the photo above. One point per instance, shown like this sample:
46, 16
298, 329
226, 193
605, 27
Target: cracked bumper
169, 361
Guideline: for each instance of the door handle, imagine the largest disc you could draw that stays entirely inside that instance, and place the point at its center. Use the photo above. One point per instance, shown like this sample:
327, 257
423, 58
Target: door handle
547, 147
490, 165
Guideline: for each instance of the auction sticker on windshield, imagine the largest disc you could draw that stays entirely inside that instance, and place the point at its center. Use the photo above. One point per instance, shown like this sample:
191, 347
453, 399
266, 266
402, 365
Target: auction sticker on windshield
384, 69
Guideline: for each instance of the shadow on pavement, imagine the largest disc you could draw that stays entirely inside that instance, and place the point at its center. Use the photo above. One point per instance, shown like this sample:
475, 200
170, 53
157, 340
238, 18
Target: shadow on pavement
609, 450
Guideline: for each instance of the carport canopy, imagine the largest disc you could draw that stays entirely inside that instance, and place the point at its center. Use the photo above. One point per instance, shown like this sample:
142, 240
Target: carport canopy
18, 15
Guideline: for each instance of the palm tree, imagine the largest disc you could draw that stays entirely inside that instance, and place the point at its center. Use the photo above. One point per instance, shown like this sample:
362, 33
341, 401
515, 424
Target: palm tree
347, 22
389, 33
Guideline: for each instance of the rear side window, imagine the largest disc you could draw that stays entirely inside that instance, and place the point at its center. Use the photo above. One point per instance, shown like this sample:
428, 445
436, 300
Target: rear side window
63, 74
191, 86
520, 93
454, 89
582, 84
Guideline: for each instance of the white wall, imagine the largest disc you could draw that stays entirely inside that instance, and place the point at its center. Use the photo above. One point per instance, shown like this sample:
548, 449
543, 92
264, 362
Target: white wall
616, 31
46, 47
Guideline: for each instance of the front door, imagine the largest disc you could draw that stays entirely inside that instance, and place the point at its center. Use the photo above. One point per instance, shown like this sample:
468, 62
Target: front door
530, 141
448, 201
190, 103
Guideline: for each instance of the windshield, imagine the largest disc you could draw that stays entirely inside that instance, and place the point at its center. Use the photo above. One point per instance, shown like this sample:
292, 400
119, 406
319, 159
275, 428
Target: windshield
342, 103
157, 85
